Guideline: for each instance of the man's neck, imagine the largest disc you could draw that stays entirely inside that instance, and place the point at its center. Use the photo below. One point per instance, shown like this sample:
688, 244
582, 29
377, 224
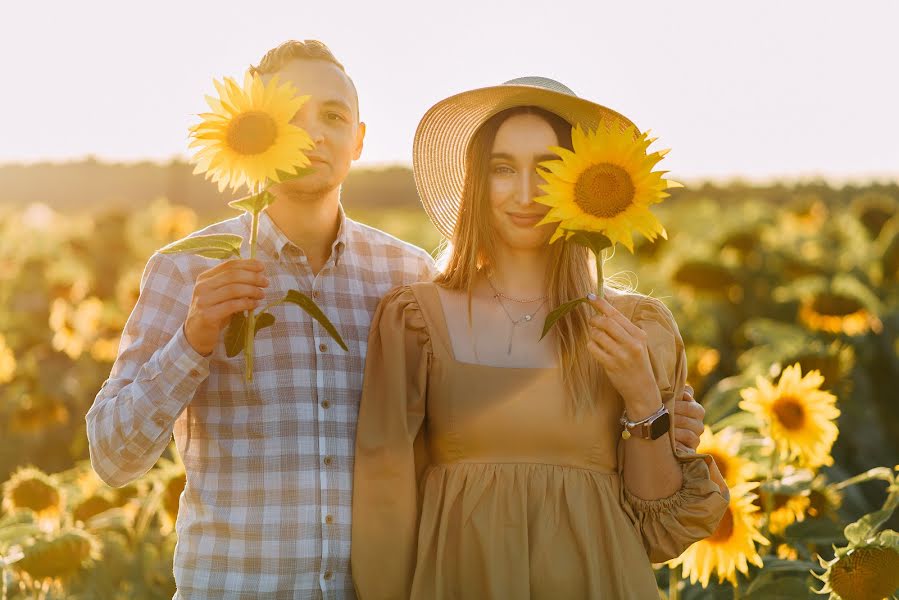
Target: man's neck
311, 223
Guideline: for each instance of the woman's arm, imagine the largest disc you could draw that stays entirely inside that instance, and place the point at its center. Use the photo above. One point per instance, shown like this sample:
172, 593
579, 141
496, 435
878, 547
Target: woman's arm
650, 468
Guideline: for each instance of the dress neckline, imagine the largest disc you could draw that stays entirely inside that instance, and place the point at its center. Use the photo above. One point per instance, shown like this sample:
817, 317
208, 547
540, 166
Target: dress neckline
439, 320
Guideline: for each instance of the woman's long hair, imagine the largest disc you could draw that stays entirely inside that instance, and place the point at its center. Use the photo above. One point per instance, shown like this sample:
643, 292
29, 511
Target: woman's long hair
571, 273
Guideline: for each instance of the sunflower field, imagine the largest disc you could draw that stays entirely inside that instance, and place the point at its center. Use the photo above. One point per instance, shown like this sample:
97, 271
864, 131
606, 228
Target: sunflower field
787, 299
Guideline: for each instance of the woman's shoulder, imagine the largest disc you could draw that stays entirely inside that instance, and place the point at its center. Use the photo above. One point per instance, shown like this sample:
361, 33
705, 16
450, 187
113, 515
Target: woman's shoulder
405, 304
641, 308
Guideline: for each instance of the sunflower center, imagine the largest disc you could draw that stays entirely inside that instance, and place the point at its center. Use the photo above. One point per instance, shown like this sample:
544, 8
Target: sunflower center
866, 573
835, 305
604, 190
252, 132
725, 529
789, 412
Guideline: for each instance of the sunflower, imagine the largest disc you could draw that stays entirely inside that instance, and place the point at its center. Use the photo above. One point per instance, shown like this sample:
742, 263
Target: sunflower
249, 138
60, 555
605, 186
733, 545
724, 448
824, 499
34, 490
74, 327
787, 509
868, 571
787, 552
838, 313
796, 414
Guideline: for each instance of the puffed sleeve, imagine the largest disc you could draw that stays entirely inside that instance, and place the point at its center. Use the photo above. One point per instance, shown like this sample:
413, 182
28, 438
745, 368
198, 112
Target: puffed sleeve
668, 525
390, 450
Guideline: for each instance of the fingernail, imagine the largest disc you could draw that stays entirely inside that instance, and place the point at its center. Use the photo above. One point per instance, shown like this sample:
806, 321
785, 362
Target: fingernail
591, 296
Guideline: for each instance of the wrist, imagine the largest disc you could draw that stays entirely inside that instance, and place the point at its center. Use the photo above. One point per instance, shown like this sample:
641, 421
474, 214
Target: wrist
204, 352
641, 405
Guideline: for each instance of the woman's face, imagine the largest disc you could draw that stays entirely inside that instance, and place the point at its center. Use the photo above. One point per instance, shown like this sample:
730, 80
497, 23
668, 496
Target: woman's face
521, 142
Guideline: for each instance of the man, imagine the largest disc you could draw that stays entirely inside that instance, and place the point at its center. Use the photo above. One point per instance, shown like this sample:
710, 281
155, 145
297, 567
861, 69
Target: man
266, 509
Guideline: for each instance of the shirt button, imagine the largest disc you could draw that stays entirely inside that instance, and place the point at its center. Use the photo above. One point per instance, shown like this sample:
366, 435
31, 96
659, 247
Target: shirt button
328, 461
194, 373
316, 294
326, 404
329, 519
323, 347
328, 575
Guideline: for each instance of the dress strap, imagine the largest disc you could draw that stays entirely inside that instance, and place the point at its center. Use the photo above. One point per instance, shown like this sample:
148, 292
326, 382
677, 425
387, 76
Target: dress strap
431, 306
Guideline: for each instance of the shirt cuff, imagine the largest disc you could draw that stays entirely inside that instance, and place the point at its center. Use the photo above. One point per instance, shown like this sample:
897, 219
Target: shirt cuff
177, 370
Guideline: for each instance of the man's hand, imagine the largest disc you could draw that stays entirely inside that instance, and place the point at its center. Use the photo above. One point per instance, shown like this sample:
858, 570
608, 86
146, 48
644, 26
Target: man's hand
688, 421
227, 288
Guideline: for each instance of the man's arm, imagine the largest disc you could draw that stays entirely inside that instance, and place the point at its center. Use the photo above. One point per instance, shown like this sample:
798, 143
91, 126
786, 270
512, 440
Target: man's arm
163, 358
153, 378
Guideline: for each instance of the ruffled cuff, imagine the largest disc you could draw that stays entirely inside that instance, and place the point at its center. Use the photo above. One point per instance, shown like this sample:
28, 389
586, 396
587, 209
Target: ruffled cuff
669, 525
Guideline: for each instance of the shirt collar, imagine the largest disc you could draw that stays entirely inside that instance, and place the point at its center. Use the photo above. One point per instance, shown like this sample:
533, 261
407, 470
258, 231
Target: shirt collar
273, 241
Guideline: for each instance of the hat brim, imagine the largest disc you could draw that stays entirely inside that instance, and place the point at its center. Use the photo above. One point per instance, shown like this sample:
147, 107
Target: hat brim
445, 131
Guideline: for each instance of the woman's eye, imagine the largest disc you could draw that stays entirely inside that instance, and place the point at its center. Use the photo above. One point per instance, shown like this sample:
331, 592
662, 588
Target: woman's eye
502, 169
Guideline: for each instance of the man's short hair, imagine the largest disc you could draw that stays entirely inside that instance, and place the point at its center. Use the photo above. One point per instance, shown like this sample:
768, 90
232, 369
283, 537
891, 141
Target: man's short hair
290, 50
277, 57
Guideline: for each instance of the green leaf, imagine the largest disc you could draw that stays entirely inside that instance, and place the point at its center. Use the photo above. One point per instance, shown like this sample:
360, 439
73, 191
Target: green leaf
868, 525
558, 313
742, 421
767, 587
222, 245
820, 532
262, 321
882, 473
236, 334
781, 565
296, 174
18, 533
308, 305
253, 203
596, 242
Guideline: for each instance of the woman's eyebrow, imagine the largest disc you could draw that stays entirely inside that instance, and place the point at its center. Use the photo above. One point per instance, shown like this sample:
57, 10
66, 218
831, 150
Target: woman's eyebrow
502, 156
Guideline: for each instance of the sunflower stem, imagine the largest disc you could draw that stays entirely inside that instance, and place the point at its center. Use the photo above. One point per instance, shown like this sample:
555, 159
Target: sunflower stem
251, 315
673, 582
599, 275
769, 495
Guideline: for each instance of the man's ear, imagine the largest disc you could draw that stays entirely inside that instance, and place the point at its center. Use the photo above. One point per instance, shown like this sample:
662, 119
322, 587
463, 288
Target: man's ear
360, 139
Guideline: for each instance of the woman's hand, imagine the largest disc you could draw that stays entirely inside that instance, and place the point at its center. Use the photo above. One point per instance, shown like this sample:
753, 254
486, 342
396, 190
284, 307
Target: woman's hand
622, 349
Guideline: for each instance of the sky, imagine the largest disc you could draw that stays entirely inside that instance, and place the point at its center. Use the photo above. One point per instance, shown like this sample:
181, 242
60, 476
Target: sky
758, 90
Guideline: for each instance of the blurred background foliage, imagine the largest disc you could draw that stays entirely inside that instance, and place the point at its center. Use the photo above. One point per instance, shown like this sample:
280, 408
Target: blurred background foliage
758, 277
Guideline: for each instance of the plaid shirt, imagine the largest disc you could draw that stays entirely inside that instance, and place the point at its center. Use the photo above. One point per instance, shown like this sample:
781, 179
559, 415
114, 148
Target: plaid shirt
266, 509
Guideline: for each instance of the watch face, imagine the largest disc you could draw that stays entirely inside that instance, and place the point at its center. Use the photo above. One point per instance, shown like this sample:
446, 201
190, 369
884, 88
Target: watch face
660, 426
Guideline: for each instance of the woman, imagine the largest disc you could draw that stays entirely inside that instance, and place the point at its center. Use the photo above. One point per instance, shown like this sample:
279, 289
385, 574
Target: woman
489, 463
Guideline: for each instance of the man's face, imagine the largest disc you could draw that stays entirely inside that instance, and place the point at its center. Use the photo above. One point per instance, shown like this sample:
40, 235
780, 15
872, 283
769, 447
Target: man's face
331, 117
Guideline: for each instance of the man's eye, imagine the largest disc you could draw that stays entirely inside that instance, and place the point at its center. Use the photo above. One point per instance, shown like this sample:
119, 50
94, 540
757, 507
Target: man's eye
333, 116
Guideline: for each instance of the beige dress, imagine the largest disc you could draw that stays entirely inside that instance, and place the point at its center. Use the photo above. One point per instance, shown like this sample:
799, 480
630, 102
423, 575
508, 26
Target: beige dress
474, 481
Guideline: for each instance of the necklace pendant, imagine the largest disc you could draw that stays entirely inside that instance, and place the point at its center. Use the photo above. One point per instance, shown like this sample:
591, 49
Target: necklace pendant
527, 317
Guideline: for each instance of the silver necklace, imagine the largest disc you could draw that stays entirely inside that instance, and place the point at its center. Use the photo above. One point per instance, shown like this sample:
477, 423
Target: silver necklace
515, 322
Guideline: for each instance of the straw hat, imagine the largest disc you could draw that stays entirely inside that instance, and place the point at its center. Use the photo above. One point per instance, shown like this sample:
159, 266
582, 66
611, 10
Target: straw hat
444, 133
